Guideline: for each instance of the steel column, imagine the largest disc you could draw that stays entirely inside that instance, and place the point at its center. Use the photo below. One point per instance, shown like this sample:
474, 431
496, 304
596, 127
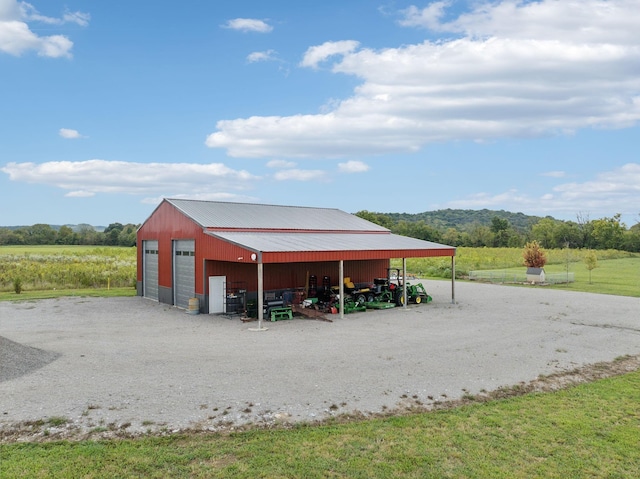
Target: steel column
453, 280
341, 289
404, 283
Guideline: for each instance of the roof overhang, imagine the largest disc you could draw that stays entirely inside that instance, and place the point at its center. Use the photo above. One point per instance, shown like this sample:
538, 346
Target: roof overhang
301, 247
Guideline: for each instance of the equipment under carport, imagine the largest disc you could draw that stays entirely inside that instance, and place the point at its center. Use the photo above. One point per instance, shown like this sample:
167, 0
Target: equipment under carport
281, 313
351, 306
380, 305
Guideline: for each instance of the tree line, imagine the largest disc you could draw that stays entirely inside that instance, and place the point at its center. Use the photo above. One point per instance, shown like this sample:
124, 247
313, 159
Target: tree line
116, 234
498, 231
474, 228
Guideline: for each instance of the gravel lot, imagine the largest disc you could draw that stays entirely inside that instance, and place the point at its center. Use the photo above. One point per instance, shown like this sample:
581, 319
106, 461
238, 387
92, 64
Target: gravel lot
130, 365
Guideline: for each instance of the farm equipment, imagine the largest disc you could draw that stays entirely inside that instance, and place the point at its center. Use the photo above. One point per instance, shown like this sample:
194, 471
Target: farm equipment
417, 294
351, 305
360, 293
390, 290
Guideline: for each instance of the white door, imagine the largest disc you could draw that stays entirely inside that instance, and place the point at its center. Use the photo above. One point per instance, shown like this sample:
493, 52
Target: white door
217, 294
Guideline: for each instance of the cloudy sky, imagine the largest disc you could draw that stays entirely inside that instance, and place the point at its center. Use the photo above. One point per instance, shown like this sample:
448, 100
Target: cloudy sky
391, 106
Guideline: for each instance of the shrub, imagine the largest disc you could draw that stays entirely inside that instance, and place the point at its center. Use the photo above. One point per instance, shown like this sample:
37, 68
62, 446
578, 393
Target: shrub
17, 285
534, 256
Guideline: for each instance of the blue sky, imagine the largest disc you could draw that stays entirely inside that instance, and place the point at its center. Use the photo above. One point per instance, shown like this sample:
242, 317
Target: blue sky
106, 107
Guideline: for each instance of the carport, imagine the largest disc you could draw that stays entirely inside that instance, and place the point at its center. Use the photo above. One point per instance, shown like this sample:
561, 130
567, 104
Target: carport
274, 247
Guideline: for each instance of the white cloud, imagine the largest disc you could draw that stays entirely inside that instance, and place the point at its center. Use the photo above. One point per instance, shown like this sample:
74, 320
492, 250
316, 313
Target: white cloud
86, 178
79, 18
299, 175
16, 37
428, 17
29, 13
281, 164
353, 167
266, 56
617, 190
512, 69
555, 174
248, 25
70, 134
80, 194
320, 53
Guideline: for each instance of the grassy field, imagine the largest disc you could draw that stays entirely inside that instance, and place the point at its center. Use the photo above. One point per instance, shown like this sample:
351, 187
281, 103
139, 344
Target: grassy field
589, 430
49, 271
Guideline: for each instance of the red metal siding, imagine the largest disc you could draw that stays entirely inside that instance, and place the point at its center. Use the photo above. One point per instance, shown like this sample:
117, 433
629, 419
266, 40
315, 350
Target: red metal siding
284, 276
167, 224
306, 256
235, 273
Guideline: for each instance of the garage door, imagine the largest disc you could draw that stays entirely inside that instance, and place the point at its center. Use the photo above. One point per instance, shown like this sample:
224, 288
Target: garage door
150, 270
184, 272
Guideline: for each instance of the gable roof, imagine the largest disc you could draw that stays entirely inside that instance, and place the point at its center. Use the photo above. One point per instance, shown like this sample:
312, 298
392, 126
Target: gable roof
247, 216
293, 233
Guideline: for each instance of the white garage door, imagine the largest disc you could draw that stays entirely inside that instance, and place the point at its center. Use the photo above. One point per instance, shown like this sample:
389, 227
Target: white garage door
150, 270
184, 272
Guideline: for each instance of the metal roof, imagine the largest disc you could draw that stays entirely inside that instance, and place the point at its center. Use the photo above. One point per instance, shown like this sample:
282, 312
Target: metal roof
223, 215
310, 242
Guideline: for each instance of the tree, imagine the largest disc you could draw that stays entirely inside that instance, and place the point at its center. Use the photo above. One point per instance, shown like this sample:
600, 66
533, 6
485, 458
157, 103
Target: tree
8, 236
480, 235
66, 236
586, 227
377, 218
500, 229
608, 233
534, 256
632, 239
88, 235
40, 234
591, 261
543, 232
452, 237
567, 232
127, 236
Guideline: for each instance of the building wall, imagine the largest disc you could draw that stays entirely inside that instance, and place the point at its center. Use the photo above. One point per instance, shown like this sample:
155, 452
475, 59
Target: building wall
294, 275
167, 224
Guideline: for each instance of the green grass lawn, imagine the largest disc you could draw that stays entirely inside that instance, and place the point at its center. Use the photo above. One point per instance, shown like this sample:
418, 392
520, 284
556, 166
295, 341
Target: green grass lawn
613, 276
591, 430
616, 273
619, 277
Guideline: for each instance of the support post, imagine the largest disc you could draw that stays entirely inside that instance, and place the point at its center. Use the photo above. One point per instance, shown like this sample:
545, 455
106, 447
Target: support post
260, 297
453, 279
341, 289
404, 283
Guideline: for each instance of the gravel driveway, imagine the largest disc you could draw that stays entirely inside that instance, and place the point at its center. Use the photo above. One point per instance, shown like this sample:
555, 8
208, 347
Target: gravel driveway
130, 365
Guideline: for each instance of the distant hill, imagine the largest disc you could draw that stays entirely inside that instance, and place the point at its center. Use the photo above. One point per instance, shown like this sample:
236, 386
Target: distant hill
465, 219
75, 228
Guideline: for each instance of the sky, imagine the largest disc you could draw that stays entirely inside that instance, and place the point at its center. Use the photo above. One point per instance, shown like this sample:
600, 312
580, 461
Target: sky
106, 107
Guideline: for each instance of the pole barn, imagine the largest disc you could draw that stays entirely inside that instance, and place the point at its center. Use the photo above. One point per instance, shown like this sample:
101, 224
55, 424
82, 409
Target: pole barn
206, 250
